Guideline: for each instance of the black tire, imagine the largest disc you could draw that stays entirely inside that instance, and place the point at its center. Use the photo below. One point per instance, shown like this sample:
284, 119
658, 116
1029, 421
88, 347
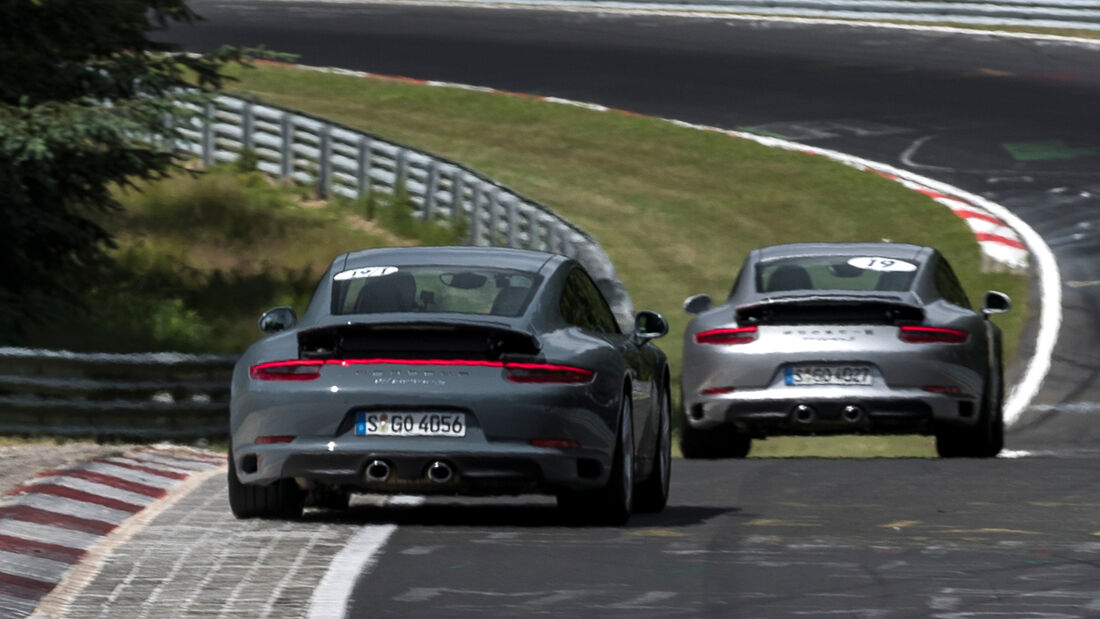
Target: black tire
280, 500
985, 439
612, 505
712, 443
651, 495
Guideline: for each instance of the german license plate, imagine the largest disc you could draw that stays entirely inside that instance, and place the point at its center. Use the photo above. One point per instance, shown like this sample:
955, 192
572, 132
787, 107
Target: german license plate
410, 424
828, 375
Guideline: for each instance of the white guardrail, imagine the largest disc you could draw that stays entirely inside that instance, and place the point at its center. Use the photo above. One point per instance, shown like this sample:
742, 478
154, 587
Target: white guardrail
1059, 14
170, 395
341, 161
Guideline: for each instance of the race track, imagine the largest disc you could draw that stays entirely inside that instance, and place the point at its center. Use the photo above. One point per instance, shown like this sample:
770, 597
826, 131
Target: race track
1013, 120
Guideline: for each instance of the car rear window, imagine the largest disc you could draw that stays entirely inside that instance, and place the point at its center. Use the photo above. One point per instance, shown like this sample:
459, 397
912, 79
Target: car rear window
862, 272
404, 289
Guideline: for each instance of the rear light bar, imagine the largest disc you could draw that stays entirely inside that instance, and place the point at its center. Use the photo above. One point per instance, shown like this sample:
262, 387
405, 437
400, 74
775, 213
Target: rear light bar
738, 335
310, 369
931, 335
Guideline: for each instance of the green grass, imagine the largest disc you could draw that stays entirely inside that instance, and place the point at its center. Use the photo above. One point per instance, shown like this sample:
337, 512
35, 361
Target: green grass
199, 258
676, 209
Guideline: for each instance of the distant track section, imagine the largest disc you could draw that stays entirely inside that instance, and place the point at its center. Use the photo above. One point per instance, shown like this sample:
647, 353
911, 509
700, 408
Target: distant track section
1058, 14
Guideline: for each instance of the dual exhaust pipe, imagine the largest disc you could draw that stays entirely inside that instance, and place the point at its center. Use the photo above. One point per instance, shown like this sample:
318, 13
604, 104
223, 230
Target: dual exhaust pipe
805, 414
439, 471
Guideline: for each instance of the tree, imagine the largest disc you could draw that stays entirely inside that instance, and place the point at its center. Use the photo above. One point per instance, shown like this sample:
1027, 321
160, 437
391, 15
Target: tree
82, 90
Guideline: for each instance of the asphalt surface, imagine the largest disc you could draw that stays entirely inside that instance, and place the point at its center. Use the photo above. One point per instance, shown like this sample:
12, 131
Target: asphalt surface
1010, 119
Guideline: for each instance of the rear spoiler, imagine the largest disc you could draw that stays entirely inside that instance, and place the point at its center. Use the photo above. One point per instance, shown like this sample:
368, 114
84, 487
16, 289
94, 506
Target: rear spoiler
831, 309
416, 340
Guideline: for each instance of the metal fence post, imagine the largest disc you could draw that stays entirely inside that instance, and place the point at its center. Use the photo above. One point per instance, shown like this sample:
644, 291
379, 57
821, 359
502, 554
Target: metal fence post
363, 166
533, 235
458, 188
286, 149
400, 170
324, 166
475, 213
429, 191
248, 121
513, 223
208, 135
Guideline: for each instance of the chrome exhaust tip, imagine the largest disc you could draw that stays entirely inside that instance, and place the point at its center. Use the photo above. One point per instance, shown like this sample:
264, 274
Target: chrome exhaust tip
804, 414
440, 472
378, 470
852, 413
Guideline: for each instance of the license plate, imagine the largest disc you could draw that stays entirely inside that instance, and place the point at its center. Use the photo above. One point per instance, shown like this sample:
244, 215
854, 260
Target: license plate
410, 424
828, 375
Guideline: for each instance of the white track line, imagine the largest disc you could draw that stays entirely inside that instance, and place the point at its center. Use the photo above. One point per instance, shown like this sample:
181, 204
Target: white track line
330, 598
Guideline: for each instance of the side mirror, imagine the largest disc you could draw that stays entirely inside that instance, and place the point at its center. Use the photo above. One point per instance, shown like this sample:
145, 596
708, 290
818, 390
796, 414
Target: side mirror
995, 303
649, 325
278, 319
698, 304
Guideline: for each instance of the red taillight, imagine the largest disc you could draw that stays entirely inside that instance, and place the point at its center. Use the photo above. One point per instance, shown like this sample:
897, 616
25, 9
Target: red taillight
547, 373
739, 335
931, 335
295, 369
946, 389
268, 440
555, 443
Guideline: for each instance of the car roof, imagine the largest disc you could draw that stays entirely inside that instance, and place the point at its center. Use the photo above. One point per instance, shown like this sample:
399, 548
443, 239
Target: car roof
499, 257
884, 249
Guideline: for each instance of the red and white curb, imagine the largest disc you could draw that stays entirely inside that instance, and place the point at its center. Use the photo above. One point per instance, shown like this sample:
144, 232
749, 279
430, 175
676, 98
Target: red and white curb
48, 525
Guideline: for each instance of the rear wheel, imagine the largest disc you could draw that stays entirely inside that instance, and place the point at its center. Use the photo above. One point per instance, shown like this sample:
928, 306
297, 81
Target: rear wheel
612, 505
718, 442
652, 494
282, 499
984, 440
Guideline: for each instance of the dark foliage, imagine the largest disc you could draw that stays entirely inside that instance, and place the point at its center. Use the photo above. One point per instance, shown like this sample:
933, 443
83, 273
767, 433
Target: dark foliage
83, 95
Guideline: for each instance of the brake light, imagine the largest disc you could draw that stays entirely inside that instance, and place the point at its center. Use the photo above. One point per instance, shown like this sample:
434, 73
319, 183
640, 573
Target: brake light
294, 369
945, 389
738, 335
547, 373
555, 443
931, 335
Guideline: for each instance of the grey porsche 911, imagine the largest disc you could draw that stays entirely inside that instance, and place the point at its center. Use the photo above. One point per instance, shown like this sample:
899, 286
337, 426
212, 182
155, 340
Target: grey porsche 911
452, 370
827, 338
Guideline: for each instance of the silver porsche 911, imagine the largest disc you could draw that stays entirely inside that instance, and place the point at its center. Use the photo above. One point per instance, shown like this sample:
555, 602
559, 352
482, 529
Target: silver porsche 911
454, 370
819, 338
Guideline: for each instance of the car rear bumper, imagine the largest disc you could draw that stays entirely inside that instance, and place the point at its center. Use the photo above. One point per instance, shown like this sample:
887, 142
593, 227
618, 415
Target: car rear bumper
485, 469
808, 411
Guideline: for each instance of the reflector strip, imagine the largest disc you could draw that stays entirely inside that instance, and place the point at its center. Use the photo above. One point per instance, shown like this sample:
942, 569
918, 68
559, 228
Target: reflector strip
555, 443
268, 440
717, 390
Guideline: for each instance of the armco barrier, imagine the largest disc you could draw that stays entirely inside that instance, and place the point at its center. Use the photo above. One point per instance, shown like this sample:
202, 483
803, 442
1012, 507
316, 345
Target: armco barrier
130, 396
340, 161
